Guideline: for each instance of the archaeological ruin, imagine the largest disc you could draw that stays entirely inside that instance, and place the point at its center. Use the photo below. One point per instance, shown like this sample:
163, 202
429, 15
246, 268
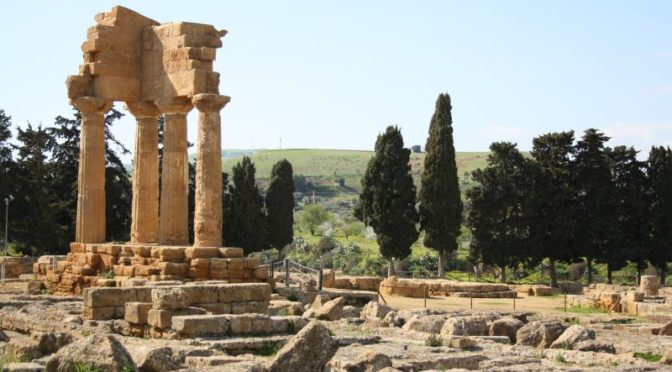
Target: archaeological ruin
155, 69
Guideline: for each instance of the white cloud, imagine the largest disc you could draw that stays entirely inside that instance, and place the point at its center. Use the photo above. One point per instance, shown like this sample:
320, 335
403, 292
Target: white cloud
640, 135
666, 90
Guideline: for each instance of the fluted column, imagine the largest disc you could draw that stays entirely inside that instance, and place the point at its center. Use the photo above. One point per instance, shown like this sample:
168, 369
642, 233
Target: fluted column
145, 207
208, 212
90, 225
173, 210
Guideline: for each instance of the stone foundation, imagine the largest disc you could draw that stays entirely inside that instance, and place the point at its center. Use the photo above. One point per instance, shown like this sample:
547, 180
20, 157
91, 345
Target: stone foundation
15, 266
362, 283
85, 264
436, 287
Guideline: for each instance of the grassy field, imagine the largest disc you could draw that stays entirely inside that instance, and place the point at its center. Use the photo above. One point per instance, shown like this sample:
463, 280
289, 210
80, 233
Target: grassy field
331, 163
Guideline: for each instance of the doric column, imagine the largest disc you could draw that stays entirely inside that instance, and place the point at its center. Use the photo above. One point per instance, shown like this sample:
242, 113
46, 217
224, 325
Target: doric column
145, 207
90, 225
173, 210
208, 212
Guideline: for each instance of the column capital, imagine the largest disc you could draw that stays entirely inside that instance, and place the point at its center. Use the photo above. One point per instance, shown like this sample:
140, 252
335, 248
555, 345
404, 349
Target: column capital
91, 105
207, 102
174, 105
142, 110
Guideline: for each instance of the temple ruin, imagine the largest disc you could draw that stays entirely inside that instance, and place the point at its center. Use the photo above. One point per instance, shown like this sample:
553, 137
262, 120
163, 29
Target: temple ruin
155, 69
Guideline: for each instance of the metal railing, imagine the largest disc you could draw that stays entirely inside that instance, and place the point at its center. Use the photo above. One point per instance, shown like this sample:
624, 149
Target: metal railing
289, 267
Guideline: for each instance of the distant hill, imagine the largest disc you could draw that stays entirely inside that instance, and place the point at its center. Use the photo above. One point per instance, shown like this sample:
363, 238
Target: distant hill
327, 164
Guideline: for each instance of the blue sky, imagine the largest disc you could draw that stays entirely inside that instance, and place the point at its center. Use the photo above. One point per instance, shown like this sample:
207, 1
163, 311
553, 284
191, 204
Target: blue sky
334, 74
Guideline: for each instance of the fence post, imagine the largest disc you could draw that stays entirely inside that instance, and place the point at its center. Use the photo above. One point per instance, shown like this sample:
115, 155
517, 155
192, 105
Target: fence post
471, 300
319, 280
565, 302
287, 272
425, 297
514, 301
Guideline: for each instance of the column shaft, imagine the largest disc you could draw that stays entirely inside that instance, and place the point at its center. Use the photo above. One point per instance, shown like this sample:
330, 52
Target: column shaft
90, 224
208, 212
173, 214
145, 207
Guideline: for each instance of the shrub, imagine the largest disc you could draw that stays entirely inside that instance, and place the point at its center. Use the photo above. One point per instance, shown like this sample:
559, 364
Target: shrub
649, 356
433, 340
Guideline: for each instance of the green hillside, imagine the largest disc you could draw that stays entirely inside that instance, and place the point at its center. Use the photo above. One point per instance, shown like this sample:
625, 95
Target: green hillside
350, 164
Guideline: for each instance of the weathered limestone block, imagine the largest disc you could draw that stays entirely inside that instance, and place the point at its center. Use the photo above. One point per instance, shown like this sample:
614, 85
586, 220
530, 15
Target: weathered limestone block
332, 310
259, 307
649, 284
201, 252
328, 278
136, 312
308, 351
245, 292
425, 323
375, 310
200, 325
571, 336
595, 346
199, 268
464, 326
235, 264
115, 297
215, 308
284, 307
202, 293
170, 298
173, 268
163, 318
172, 254
506, 327
539, 334
231, 252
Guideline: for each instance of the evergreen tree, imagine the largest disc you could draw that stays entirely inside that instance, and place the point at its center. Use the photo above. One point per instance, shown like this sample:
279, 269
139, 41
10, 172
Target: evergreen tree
387, 200
440, 206
632, 194
280, 205
34, 221
7, 165
118, 184
596, 204
552, 198
248, 221
499, 212
660, 175
227, 212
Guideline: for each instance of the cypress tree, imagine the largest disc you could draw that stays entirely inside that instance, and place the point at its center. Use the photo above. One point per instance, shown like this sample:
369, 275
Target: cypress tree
387, 200
7, 165
551, 222
280, 205
498, 217
660, 176
248, 221
596, 202
440, 206
633, 217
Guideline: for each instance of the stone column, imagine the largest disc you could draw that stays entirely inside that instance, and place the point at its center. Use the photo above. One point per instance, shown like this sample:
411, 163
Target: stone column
90, 225
173, 210
208, 212
145, 207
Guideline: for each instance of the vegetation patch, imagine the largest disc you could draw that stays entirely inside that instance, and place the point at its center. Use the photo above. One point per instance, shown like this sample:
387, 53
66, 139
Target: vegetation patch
648, 356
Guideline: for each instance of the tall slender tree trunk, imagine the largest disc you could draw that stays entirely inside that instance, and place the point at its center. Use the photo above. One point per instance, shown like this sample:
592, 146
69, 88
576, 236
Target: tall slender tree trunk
608, 274
638, 280
390, 267
552, 273
589, 262
442, 263
502, 274
662, 272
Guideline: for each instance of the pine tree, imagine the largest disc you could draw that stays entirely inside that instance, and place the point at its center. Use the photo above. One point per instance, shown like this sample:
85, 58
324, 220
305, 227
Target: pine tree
248, 221
227, 212
596, 204
7, 165
660, 175
440, 206
280, 205
498, 217
387, 200
551, 222
632, 193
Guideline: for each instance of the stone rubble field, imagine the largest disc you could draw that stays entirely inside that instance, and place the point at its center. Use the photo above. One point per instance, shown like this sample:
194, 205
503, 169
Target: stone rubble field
294, 330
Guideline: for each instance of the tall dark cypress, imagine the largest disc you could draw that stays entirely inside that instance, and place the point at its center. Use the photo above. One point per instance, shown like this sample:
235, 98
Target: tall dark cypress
280, 205
440, 203
552, 219
660, 176
248, 221
596, 203
387, 200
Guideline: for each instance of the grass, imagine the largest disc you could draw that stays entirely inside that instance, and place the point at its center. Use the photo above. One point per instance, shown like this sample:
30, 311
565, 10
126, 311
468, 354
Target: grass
269, 349
433, 341
8, 358
561, 359
648, 356
582, 310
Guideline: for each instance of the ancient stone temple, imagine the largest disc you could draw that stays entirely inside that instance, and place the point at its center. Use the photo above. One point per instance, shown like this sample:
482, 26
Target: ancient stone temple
155, 69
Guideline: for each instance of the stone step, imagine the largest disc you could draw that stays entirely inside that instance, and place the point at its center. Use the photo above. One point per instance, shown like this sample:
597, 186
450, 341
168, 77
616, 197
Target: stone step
229, 324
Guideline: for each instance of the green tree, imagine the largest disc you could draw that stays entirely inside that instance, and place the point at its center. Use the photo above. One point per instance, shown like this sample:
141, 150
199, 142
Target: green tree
596, 204
7, 165
552, 198
280, 205
34, 221
248, 221
632, 193
660, 175
387, 200
313, 215
352, 228
440, 206
498, 217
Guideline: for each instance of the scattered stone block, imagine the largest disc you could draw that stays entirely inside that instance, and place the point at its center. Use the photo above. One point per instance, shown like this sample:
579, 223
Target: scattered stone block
539, 334
170, 298
308, 351
464, 326
571, 336
136, 312
332, 310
